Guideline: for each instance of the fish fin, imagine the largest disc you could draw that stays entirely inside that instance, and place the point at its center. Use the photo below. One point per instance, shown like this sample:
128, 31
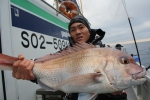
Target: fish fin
87, 96
6, 62
102, 65
81, 80
70, 50
97, 70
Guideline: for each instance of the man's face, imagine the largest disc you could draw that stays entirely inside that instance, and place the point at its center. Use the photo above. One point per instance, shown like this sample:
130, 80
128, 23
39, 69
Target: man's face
79, 32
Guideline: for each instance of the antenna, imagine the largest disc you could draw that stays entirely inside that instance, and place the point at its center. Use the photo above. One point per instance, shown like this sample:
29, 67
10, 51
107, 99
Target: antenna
56, 3
132, 31
81, 7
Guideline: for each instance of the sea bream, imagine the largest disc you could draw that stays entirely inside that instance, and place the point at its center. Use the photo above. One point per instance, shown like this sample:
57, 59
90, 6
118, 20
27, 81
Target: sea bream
85, 68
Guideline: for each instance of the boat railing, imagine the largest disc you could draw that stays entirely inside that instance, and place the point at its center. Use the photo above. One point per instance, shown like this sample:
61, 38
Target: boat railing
143, 91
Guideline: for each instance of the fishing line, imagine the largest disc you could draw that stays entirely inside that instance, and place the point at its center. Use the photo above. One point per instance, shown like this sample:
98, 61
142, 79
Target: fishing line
115, 9
124, 5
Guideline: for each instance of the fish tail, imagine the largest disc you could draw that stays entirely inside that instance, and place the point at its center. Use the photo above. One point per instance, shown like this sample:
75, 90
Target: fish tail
6, 62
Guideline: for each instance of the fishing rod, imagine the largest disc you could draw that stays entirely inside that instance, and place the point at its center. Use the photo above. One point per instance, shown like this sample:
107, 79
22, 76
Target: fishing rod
132, 32
135, 44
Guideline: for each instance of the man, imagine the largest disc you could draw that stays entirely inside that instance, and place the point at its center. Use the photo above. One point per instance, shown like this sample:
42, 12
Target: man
118, 46
80, 31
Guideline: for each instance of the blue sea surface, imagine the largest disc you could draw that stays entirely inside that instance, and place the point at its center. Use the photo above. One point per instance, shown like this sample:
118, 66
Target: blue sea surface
144, 51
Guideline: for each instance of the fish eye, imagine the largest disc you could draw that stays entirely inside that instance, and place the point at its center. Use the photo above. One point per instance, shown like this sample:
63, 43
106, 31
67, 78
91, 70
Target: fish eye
124, 60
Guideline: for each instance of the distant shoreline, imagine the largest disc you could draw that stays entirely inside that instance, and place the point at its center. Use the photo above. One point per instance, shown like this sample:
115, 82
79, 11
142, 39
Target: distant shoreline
129, 42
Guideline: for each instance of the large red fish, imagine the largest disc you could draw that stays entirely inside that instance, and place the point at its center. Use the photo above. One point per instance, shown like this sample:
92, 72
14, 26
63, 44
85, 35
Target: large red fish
85, 68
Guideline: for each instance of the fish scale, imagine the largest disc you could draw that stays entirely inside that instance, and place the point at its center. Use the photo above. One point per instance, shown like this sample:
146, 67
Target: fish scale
79, 67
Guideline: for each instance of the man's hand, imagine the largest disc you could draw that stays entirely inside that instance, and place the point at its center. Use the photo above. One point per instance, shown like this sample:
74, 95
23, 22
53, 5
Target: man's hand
22, 68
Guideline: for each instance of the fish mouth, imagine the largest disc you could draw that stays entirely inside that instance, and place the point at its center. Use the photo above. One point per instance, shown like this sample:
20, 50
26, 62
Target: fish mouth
138, 78
139, 75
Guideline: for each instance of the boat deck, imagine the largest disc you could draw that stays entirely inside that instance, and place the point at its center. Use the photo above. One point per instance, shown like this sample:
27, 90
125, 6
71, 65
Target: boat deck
131, 94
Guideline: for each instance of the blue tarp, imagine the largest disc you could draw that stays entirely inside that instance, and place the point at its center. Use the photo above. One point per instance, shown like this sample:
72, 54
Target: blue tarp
136, 58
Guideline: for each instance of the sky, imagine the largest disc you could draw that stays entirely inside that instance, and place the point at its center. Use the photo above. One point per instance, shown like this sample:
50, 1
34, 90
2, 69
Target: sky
110, 16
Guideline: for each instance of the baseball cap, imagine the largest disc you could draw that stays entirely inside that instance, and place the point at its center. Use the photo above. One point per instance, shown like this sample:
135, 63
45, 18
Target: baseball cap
119, 45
